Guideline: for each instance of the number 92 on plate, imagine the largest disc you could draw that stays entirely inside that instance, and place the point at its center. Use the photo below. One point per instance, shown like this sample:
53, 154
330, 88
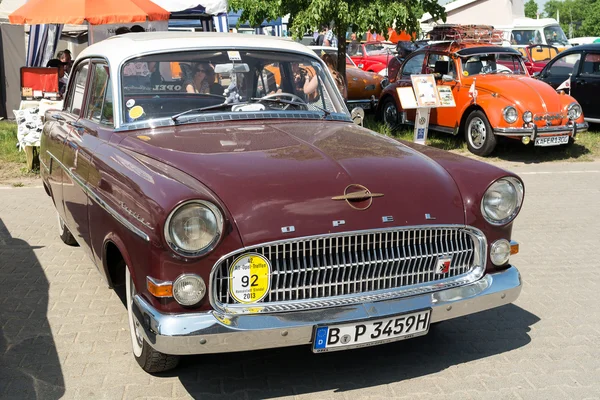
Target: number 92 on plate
371, 332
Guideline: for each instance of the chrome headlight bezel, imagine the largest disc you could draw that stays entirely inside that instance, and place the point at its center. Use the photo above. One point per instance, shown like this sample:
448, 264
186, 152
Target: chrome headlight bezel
171, 241
519, 192
514, 115
576, 109
527, 117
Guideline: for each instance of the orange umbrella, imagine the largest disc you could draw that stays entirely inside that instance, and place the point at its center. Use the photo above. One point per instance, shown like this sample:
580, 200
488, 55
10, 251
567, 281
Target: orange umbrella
94, 12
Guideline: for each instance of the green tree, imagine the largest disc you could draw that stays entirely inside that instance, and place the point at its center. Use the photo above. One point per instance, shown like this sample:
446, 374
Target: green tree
531, 9
573, 14
360, 15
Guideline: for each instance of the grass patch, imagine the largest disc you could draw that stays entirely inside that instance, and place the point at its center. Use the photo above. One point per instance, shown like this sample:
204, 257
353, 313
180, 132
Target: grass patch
586, 147
9, 152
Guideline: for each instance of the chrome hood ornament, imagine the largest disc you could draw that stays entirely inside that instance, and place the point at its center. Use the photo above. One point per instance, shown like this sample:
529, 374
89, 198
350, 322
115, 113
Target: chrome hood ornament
356, 193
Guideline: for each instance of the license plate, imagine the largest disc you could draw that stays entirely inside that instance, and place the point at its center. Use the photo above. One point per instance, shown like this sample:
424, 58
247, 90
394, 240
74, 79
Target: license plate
552, 140
371, 332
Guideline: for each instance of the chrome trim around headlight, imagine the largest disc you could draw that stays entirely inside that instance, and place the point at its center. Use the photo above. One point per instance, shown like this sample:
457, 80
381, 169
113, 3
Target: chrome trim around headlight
578, 112
527, 117
520, 190
200, 252
506, 110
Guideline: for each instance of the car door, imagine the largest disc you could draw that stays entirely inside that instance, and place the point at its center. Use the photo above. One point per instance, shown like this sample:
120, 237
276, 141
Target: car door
75, 200
585, 85
559, 69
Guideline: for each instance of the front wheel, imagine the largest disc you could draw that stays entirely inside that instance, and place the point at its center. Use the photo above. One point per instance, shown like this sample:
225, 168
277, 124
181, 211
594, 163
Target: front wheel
479, 135
150, 360
390, 114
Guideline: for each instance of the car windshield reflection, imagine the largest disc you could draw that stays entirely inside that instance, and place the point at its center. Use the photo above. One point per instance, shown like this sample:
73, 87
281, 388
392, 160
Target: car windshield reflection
248, 81
492, 63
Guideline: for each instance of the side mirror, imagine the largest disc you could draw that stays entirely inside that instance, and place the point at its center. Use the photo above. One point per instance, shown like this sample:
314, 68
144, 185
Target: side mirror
358, 115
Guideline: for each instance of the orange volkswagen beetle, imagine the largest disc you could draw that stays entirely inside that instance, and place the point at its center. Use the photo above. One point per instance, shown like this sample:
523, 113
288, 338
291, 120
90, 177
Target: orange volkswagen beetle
494, 95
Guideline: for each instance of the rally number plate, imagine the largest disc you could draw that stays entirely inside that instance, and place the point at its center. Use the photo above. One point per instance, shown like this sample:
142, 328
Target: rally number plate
552, 140
371, 332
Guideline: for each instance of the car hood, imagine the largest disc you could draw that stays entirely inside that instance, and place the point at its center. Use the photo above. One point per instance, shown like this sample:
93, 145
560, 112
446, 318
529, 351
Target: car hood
525, 92
285, 174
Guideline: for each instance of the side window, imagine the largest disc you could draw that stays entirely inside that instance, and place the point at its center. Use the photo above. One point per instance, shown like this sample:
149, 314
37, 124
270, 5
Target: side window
591, 65
413, 65
99, 108
74, 102
441, 64
565, 65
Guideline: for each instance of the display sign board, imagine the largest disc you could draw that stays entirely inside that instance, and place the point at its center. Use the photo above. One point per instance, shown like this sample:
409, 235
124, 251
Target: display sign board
423, 96
100, 32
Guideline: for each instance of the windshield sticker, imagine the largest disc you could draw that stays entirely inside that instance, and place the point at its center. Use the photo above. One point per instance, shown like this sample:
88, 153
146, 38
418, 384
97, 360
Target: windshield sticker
234, 56
136, 112
130, 103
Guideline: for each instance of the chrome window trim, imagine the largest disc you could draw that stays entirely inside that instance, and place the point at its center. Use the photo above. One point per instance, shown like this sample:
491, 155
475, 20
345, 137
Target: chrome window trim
101, 202
480, 259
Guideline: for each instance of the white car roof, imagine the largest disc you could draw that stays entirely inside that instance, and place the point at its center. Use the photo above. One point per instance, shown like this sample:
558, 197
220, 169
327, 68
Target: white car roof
117, 49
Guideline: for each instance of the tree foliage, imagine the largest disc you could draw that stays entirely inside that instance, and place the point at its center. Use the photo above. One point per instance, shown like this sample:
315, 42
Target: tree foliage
360, 15
580, 17
531, 9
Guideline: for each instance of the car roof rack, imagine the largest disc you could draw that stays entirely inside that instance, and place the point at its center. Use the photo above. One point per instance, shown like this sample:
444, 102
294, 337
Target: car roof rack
466, 34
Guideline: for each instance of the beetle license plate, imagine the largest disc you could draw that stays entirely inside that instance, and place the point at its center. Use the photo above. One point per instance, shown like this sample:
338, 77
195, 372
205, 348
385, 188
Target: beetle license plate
552, 140
371, 332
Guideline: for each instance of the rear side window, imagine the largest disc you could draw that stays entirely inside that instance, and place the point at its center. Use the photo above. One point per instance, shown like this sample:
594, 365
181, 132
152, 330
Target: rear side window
413, 65
591, 65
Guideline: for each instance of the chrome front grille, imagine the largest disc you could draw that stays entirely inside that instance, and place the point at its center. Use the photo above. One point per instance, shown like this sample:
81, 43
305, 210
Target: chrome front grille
318, 271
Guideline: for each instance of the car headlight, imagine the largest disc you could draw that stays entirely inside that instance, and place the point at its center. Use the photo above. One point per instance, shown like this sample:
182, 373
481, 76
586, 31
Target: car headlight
385, 82
527, 116
500, 252
502, 201
574, 111
194, 228
188, 289
510, 114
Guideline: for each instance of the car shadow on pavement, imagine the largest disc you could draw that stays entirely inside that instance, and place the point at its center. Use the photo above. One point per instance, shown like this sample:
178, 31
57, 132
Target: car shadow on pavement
296, 370
29, 364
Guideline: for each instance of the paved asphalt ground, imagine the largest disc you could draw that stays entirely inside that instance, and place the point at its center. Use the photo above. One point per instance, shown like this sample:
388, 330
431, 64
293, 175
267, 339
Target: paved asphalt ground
63, 334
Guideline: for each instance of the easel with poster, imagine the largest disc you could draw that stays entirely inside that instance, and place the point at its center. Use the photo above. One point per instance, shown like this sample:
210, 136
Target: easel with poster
423, 96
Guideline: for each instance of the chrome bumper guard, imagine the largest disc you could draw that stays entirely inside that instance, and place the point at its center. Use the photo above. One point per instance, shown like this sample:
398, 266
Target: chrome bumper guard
536, 131
212, 332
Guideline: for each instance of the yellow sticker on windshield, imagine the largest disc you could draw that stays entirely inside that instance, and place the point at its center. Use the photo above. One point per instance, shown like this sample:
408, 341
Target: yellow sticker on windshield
466, 73
136, 112
250, 278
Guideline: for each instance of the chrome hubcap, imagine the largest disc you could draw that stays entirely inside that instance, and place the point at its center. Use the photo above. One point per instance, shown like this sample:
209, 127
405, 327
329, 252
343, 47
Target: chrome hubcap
477, 132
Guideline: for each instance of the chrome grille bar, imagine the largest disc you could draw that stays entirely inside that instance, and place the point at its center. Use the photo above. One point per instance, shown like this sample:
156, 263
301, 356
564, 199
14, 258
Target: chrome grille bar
306, 272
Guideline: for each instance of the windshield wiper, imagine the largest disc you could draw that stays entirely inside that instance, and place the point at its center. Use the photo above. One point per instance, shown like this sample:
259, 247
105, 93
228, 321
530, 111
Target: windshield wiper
326, 113
195, 110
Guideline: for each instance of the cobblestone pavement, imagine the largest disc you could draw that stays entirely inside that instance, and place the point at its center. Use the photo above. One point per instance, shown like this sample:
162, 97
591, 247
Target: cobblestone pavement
63, 334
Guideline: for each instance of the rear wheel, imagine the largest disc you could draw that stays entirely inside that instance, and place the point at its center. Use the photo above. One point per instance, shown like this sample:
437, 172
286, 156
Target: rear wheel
149, 359
479, 135
65, 233
390, 114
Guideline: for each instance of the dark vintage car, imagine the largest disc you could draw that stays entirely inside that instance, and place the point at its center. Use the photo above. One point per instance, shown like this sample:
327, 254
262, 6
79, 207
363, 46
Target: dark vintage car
260, 218
582, 65
494, 96
536, 56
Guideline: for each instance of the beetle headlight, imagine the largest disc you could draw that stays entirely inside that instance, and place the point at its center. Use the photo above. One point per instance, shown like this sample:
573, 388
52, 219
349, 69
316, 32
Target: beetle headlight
574, 111
502, 201
527, 117
194, 228
510, 114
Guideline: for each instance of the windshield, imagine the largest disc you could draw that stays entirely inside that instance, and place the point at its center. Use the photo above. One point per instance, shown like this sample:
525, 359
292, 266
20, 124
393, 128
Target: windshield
555, 35
492, 63
376, 48
525, 37
225, 81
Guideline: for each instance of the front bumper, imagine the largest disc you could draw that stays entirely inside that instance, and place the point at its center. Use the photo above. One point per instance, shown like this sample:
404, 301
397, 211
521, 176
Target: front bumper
212, 332
535, 131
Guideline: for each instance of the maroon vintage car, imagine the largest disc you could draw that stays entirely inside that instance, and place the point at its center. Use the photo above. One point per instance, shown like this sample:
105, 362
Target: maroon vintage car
536, 56
240, 213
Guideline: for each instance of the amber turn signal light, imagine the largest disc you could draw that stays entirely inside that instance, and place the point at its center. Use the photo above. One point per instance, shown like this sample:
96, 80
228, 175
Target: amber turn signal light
160, 288
514, 247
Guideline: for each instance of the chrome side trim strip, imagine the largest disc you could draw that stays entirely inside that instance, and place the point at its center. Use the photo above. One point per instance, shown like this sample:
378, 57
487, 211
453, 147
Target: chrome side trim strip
42, 163
101, 202
479, 261
592, 120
